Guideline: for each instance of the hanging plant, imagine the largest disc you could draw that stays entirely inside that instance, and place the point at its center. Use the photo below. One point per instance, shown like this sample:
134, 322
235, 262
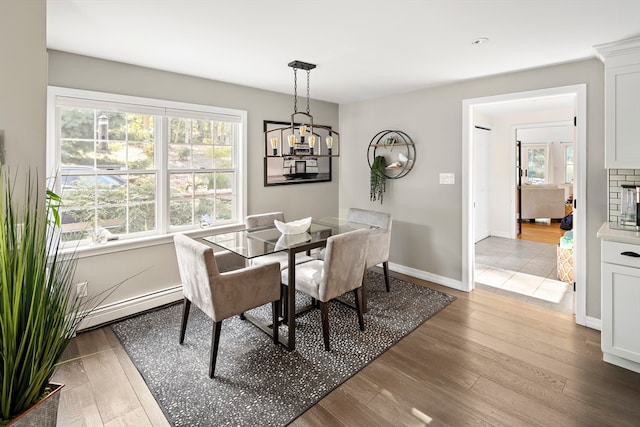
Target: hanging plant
378, 178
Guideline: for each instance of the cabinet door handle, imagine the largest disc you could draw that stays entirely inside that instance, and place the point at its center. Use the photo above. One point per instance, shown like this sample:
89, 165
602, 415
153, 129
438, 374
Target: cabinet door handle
631, 254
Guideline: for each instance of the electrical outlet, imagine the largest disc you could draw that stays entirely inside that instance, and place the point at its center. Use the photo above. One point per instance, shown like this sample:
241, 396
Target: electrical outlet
81, 289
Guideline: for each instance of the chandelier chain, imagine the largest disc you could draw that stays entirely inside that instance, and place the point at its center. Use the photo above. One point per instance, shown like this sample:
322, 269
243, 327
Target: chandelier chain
295, 90
308, 96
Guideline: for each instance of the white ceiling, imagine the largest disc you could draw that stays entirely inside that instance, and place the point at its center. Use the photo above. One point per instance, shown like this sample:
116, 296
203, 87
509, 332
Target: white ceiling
363, 49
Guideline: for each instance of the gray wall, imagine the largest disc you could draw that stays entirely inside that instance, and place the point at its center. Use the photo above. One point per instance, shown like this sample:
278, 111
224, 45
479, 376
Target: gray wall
23, 86
157, 260
428, 216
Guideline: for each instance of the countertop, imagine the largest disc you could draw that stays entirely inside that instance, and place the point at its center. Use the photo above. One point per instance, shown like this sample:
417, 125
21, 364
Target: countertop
606, 232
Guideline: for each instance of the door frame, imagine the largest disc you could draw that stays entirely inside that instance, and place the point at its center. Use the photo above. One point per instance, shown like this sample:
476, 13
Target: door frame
580, 194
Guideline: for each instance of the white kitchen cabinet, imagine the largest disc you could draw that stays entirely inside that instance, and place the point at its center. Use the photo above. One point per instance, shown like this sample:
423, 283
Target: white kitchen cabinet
622, 103
621, 304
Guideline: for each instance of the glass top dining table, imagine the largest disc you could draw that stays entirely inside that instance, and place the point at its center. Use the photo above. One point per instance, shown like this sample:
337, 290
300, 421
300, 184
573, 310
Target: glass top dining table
255, 242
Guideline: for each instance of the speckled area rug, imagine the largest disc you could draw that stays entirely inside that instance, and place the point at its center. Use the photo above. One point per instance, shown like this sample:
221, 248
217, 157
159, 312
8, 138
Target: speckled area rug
257, 382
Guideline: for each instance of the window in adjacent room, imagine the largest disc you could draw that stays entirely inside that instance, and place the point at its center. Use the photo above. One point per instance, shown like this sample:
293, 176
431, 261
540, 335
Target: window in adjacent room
568, 164
140, 167
536, 163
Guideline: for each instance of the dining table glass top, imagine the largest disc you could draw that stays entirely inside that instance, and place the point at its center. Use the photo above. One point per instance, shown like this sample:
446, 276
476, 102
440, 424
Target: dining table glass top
251, 243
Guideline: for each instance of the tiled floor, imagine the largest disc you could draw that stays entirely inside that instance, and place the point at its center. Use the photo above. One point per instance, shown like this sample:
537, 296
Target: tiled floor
523, 270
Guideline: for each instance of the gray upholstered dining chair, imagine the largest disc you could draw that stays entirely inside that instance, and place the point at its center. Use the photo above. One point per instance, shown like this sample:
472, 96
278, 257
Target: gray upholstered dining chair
264, 220
214, 284
341, 271
379, 240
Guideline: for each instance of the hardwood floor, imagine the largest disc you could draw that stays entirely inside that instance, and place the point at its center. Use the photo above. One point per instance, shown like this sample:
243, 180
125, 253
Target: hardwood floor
541, 232
483, 360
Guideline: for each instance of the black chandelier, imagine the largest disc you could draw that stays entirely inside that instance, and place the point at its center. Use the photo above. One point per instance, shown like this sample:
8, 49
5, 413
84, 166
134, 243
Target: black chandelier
303, 137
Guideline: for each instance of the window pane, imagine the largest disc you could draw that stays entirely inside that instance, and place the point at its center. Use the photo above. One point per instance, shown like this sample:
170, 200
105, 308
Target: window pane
536, 165
142, 217
181, 199
224, 207
179, 156
77, 123
179, 130
141, 155
569, 174
181, 212
223, 157
110, 140
142, 187
113, 218
202, 156
111, 190
568, 171
76, 223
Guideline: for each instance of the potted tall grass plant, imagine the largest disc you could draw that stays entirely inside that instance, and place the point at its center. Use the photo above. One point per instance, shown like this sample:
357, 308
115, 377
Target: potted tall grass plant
40, 312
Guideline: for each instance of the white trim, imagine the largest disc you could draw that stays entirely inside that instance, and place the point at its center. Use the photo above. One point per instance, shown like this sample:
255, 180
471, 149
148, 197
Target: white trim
619, 361
89, 250
118, 310
503, 234
468, 249
161, 104
593, 323
425, 275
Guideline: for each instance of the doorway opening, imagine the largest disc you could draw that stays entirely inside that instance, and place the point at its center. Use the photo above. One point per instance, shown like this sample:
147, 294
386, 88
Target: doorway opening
525, 110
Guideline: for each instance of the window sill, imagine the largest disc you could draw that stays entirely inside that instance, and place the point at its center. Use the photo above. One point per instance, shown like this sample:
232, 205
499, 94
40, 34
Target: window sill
91, 250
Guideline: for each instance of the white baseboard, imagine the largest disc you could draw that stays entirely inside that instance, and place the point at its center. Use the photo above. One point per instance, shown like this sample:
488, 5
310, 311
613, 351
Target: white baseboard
593, 323
425, 275
502, 234
120, 309
619, 361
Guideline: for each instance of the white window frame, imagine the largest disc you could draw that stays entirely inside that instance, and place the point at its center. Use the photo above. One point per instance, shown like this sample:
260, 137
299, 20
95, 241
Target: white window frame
162, 108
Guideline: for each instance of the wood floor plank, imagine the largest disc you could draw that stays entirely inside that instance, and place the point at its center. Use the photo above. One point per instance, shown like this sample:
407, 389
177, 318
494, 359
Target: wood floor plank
559, 366
435, 401
137, 418
530, 411
112, 391
542, 232
537, 388
316, 416
486, 362
151, 408
78, 407
563, 347
348, 410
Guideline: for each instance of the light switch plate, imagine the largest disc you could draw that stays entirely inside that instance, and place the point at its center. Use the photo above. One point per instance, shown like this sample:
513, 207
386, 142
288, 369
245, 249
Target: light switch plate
447, 178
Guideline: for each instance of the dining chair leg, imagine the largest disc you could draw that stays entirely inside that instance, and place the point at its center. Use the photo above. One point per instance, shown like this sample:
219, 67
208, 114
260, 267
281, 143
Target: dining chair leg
275, 309
242, 316
324, 311
385, 267
215, 340
358, 297
185, 315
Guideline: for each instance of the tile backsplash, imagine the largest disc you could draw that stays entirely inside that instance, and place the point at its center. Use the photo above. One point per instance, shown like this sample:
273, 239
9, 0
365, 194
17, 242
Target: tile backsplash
616, 178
